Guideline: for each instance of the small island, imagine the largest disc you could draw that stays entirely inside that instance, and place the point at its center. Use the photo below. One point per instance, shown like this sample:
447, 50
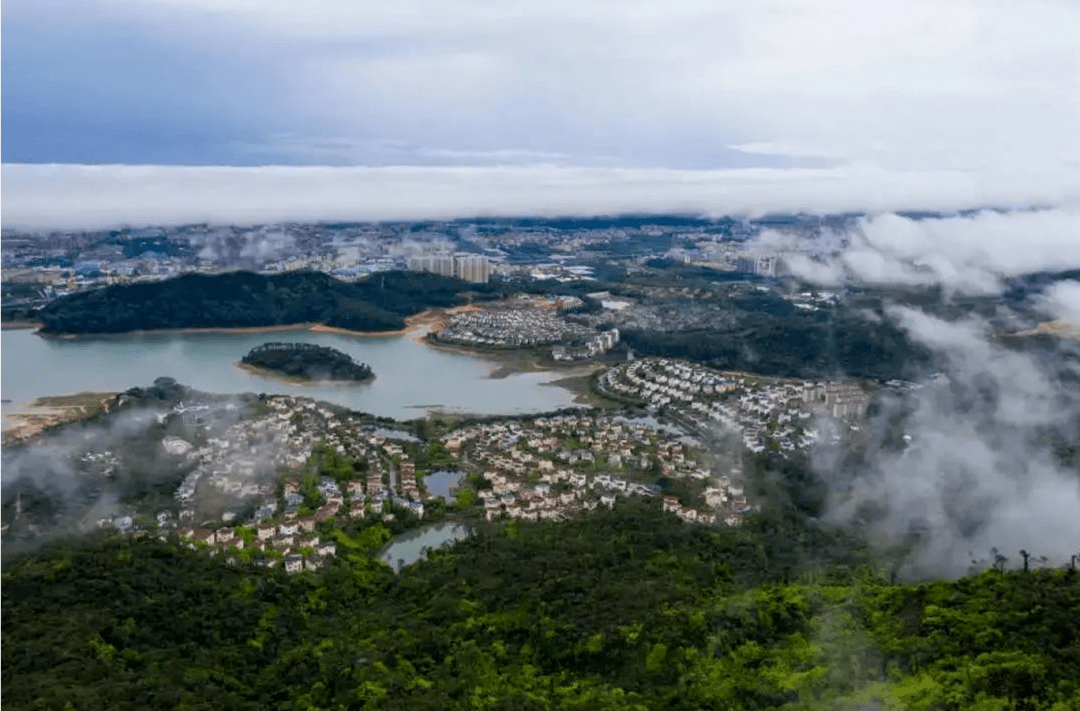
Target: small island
307, 361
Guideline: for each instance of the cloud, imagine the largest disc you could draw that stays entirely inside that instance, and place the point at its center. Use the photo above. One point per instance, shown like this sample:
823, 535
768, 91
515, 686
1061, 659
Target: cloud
71, 196
967, 254
984, 467
1062, 300
979, 472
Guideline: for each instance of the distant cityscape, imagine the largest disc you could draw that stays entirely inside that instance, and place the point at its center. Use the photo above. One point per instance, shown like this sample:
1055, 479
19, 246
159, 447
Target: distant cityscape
40, 267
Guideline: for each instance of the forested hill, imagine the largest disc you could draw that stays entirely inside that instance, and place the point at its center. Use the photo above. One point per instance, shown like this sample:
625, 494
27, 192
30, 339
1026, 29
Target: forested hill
626, 609
243, 299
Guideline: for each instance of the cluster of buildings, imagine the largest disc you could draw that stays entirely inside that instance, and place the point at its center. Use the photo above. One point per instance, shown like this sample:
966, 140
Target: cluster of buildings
596, 344
474, 268
526, 327
765, 413
251, 493
548, 468
236, 472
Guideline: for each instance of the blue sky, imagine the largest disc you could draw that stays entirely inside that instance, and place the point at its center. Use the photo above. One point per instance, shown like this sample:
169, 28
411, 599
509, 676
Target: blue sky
918, 84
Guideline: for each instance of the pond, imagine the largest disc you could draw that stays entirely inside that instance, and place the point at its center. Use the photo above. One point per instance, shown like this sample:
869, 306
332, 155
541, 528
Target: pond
411, 546
442, 482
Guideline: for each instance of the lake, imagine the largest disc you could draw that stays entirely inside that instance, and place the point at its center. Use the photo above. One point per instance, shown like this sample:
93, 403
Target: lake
411, 378
407, 548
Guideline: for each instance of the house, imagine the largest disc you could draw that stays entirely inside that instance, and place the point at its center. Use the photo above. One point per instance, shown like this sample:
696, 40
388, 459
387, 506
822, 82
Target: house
294, 563
326, 548
313, 563
714, 496
288, 528
265, 531
203, 535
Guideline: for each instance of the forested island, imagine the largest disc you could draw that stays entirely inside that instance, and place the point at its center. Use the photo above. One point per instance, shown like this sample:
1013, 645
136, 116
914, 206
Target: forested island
241, 299
307, 361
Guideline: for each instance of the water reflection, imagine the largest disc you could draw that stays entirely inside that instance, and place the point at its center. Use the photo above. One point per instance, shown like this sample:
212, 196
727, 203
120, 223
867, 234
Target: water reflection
442, 483
407, 548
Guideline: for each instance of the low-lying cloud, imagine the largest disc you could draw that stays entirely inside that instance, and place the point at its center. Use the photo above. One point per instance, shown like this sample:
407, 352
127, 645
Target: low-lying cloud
979, 472
83, 196
986, 465
966, 254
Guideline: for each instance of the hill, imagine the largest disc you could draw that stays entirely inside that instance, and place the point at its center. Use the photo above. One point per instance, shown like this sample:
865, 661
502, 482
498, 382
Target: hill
627, 609
245, 299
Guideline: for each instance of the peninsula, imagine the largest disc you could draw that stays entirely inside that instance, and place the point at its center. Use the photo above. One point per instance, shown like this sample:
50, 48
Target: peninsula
307, 361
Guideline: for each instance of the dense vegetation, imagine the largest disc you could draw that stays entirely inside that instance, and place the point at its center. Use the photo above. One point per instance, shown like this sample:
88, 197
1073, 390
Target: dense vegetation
625, 609
239, 299
307, 361
770, 336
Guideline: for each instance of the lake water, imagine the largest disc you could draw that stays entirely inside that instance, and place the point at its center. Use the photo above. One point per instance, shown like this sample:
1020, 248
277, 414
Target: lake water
441, 482
411, 378
407, 548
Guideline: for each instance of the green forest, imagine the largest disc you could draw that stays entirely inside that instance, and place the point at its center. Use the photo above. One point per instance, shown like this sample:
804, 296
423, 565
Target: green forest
770, 336
245, 299
307, 361
625, 609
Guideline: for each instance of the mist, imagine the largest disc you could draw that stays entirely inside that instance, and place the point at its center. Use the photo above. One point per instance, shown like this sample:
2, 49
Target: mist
988, 464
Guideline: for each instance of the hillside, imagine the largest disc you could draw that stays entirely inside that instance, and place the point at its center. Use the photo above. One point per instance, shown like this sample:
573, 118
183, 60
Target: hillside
245, 299
628, 609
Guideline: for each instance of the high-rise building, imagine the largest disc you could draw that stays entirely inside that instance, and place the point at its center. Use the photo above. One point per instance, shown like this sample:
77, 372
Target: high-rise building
472, 268
442, 264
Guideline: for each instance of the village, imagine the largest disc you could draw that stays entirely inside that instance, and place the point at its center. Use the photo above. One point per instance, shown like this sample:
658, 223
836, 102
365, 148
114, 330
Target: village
549, 468
781, 415
270, 488
269, 482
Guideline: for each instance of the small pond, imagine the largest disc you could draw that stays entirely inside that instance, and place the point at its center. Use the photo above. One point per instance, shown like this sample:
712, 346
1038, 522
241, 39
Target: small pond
409, 547
442, 482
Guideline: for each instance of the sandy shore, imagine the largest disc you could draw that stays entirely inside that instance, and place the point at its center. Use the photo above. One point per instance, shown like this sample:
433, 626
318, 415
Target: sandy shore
1060, 328
26, 420
19, 325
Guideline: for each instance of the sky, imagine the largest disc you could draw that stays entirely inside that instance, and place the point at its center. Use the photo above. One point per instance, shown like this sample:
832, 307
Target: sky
914, 85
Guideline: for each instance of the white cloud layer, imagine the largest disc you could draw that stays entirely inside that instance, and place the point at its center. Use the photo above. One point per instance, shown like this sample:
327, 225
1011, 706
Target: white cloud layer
73, 196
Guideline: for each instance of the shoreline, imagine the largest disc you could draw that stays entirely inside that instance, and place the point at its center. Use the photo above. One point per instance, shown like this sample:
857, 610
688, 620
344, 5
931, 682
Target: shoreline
412, 324
267, 373
26, 420
19, 325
